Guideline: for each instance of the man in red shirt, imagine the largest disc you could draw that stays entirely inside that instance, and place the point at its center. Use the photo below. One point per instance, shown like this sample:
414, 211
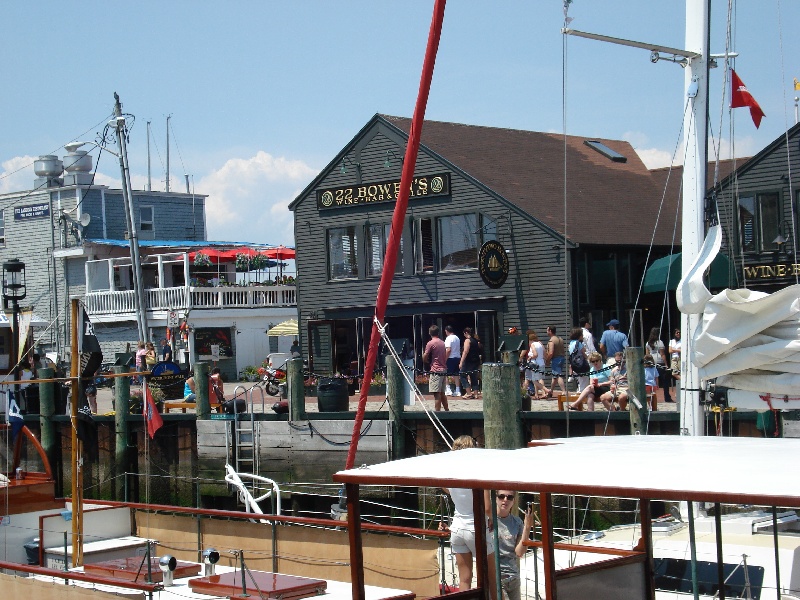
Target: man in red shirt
435, 357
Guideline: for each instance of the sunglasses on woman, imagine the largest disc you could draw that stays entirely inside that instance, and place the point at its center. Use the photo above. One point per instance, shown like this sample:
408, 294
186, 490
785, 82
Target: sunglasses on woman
505, 496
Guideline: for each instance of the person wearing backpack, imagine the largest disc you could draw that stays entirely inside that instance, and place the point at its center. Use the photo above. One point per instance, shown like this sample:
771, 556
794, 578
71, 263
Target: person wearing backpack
578, 361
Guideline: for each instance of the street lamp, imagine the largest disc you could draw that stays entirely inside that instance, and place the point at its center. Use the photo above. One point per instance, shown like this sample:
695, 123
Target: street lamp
14, 290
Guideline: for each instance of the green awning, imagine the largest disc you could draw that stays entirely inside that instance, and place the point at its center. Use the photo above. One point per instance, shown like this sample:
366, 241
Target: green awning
665, 274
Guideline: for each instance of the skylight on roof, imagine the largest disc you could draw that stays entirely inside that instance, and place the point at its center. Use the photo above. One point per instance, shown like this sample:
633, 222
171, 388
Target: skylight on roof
605, 151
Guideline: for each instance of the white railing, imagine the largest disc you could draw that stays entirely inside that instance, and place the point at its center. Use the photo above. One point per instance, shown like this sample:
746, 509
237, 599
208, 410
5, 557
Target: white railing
103, 303
177, 298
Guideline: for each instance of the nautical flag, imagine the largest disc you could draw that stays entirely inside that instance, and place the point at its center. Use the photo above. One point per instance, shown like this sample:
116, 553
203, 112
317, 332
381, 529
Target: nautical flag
13, 416
741, 97
86, 429
151, 415
796, 84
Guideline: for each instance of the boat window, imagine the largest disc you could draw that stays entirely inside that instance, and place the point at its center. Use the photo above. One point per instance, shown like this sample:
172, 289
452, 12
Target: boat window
675, 575
343, 253
459, 242
376, 242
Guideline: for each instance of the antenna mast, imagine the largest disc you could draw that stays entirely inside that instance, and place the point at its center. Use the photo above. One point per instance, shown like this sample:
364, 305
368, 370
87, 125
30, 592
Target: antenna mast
149, 181
127, 197
168, 118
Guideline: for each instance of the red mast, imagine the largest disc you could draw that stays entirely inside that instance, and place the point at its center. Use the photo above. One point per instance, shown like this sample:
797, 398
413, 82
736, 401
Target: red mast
393, 245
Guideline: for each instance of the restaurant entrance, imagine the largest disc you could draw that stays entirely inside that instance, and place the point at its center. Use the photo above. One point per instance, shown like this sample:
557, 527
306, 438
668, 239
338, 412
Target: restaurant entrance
340, 346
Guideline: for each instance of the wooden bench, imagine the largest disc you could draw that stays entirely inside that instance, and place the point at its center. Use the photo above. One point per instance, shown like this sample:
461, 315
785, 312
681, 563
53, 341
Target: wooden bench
184, 405
651, 398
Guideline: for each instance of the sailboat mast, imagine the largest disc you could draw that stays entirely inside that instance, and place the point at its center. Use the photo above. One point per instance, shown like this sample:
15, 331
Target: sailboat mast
694, 191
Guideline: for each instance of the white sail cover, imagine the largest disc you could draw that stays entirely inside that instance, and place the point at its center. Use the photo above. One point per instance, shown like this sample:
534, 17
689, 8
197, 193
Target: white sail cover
747, 340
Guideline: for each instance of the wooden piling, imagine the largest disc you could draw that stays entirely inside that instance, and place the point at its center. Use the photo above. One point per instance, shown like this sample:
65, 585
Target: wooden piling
395, 388
634, 358
201, 385
297, 390
502, 402
122, 397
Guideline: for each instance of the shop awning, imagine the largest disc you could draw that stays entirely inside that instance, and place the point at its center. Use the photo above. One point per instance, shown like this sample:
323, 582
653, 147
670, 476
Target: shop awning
665, 273
286, 328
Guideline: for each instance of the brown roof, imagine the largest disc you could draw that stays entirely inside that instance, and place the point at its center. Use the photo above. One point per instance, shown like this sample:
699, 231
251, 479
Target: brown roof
607, 202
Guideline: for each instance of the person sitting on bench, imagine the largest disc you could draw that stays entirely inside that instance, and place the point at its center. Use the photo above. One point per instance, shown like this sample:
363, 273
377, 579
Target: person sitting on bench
189, 391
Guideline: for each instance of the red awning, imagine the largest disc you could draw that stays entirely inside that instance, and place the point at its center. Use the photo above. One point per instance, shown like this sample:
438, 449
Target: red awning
280, 253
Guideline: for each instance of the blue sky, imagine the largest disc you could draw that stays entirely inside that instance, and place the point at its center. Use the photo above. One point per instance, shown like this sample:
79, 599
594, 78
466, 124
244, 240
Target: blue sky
264, 94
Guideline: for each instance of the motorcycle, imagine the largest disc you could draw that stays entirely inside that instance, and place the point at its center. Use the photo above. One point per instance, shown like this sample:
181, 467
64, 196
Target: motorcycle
275, 377
273, 380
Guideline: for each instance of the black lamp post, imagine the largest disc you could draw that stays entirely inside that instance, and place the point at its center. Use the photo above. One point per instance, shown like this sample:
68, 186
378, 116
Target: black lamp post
13, 291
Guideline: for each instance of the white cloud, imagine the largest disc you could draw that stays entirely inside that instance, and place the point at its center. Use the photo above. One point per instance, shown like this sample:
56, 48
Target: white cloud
654, 158
248, 198
16, 174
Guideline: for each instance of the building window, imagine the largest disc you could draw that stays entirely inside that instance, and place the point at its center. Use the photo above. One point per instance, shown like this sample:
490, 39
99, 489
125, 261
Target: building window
343, 253
459, 242
759, 222
146, 218
2, 227
424, 245
376, 242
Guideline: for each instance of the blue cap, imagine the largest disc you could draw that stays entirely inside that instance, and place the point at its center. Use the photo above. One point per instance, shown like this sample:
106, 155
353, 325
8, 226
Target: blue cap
612, 323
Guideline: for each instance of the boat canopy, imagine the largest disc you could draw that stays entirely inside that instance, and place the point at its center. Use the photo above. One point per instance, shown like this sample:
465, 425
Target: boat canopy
737, 470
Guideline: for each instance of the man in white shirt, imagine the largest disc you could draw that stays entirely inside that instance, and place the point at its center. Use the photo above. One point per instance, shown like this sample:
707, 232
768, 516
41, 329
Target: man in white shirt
588, 338
452, 347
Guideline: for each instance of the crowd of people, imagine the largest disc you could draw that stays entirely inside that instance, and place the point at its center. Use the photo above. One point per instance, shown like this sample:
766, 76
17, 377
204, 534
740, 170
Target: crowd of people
599, 369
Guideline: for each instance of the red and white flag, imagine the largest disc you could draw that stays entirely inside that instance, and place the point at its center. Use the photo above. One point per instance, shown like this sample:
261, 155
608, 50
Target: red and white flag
741, 97
151, 415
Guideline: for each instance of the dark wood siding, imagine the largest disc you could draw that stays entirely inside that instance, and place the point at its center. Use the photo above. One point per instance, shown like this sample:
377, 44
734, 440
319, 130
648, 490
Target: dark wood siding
534, 295
768, 172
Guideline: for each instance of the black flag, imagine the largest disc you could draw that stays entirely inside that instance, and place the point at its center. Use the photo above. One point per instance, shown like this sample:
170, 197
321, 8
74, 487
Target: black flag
90, 354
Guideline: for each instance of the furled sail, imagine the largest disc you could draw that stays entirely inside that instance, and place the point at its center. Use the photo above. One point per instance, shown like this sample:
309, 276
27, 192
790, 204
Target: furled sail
747, 340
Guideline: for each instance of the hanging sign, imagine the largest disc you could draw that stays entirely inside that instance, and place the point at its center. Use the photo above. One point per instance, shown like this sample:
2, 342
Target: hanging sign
493, 264
32, 211
383, 191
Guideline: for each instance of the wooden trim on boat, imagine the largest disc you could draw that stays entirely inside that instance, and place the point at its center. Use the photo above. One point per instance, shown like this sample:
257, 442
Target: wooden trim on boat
481, 560
646, 543
77, 576
546, 509
356, 550
235, 514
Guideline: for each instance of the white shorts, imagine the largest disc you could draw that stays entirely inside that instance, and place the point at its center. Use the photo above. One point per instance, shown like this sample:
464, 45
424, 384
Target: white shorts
533, 375
463, 541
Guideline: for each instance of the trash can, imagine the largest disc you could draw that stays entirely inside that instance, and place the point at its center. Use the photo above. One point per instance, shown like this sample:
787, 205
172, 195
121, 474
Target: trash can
332, 394
32, 551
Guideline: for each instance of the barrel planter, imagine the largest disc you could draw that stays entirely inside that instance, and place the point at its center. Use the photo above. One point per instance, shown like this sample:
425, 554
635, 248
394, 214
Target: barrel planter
333, 394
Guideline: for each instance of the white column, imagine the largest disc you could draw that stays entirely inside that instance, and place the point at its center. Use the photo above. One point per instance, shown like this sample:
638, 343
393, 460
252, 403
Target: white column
186, 280
111, 284
160, 270
695, 129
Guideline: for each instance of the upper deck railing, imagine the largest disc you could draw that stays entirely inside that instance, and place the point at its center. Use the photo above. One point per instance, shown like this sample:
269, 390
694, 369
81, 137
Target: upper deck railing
178, 298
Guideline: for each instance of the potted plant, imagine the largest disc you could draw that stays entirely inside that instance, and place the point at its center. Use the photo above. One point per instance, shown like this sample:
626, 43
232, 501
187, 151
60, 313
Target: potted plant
202, 260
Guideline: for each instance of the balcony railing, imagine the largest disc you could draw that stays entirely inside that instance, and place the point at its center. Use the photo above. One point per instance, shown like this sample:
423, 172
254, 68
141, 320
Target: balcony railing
179, 298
